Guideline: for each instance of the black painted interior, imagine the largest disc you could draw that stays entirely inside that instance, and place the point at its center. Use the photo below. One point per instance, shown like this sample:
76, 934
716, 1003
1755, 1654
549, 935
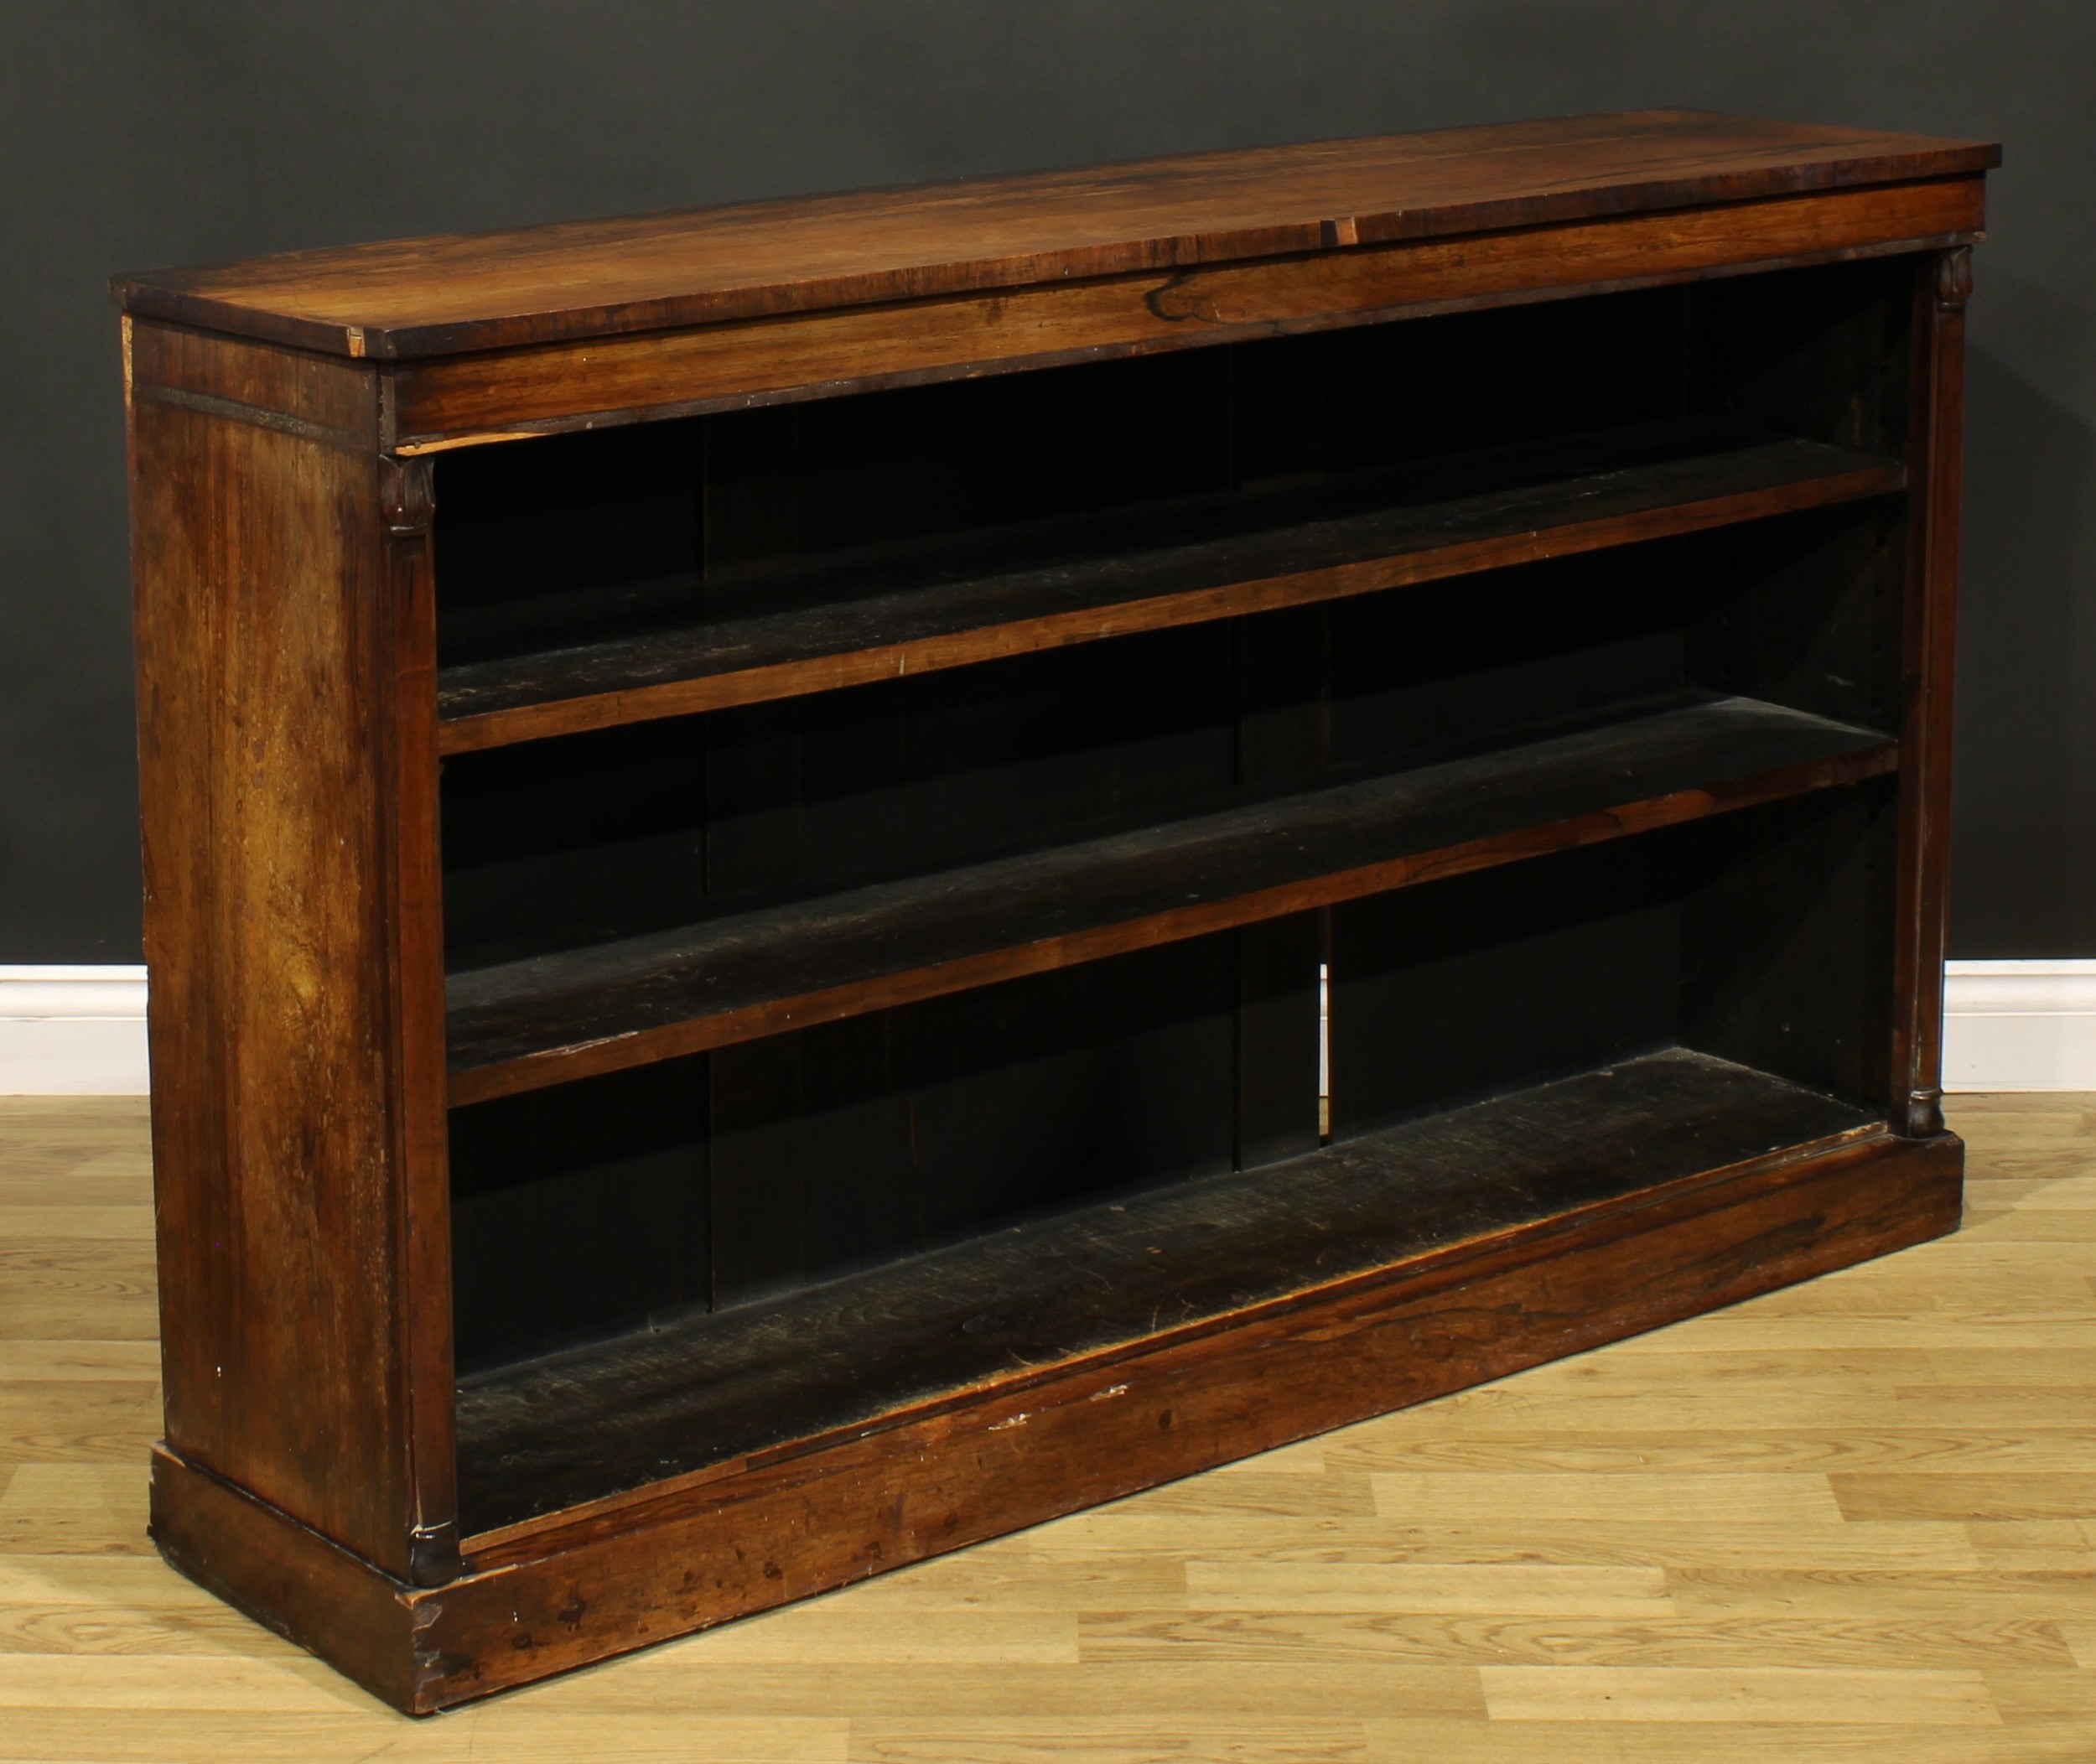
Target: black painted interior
771, 1167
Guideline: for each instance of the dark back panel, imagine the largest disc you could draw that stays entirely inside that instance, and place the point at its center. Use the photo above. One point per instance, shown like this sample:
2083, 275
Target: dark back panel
578, 1210
854, 1142
1787, 947
1806, 612
1455, 991
1820, 352
912, 776
559, 540
554, 844
1419, 675
1427, 387
824, 485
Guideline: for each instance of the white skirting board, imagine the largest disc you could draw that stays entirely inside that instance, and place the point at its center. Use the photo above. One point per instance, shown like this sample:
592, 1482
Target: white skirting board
2007, 1025
72, 1032
2020, 1025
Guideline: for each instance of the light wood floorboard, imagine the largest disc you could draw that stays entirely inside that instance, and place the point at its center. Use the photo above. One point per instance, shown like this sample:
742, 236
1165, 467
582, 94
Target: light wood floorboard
1855, 1520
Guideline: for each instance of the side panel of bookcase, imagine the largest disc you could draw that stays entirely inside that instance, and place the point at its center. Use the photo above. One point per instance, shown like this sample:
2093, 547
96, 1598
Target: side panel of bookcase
267, 679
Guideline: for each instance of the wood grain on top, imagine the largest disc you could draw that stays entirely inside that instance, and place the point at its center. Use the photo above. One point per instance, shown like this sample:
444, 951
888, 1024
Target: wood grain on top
587, 278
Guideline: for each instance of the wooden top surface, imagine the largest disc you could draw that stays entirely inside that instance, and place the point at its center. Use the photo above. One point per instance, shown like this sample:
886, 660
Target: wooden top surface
592, 278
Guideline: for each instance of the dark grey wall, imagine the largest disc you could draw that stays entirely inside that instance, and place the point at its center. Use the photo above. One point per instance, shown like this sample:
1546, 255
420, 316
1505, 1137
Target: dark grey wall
134, 135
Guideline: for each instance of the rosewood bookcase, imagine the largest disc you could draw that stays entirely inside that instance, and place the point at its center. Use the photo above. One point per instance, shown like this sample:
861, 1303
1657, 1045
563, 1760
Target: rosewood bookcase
747, 813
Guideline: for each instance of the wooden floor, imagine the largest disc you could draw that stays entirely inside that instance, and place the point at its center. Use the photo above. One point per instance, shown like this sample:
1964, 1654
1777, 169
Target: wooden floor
1856, 1520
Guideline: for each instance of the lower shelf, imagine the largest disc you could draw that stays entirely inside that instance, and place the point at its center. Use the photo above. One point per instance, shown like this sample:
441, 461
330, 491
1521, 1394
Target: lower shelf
744, 1386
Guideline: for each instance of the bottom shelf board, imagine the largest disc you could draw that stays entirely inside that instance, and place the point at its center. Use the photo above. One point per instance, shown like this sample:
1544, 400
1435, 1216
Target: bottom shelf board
739, 1388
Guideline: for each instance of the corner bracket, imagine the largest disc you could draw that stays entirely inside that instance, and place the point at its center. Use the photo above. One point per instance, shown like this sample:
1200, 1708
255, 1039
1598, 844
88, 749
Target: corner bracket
406, 496
1953, 279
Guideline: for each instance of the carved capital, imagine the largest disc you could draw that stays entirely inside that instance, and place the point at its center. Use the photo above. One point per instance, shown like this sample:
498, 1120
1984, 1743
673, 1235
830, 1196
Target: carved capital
1953, 279
405, 493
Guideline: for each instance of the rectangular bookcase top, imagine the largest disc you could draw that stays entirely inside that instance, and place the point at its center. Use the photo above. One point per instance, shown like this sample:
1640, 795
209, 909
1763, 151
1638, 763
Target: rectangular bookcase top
575, 280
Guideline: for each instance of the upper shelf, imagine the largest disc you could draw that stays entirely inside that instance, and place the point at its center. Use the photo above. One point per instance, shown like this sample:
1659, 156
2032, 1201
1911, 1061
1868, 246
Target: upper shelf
602, 278
1190, 564
521, 1025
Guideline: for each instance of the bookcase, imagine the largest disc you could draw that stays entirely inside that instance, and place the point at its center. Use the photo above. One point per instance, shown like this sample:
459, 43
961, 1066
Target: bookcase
828, 876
